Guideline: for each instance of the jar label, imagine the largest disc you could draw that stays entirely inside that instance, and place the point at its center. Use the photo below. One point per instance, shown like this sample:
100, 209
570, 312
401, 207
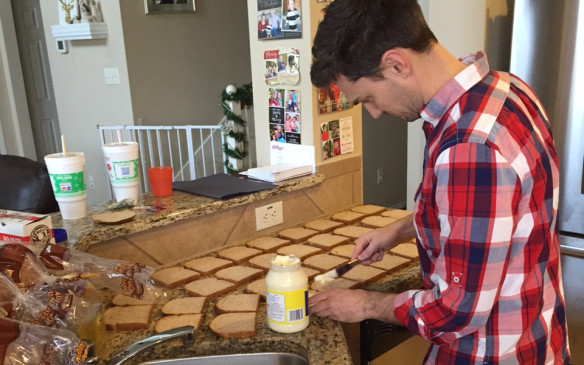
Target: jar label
289, 307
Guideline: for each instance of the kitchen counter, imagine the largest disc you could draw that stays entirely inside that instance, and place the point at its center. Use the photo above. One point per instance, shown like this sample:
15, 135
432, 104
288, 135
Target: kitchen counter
84, 232
322, 342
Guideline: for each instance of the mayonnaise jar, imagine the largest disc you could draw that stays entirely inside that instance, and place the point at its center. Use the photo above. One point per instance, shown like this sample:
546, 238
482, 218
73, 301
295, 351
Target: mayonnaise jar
287, 295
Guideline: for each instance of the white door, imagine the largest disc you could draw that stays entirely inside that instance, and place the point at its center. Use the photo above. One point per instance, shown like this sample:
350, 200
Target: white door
37, 76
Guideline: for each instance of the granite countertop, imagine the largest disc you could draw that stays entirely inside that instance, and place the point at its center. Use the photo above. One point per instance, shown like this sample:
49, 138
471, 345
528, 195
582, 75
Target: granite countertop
322, 342
180, 206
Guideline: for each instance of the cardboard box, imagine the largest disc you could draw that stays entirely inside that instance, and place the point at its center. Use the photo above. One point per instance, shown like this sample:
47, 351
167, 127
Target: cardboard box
26, 227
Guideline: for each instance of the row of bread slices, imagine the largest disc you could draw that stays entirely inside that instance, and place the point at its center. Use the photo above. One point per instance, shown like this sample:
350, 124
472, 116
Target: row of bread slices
321, 244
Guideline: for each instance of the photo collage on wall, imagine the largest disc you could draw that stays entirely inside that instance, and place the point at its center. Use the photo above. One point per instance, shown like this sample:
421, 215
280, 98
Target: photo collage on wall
279, 19
336, 137
281, 69
284, 109
332, 99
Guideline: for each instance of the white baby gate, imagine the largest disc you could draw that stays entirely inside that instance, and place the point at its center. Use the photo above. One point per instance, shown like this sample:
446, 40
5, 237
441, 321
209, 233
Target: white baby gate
192, 151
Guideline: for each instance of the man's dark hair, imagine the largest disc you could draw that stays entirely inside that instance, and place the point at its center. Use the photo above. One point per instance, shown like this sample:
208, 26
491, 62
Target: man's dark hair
356, 33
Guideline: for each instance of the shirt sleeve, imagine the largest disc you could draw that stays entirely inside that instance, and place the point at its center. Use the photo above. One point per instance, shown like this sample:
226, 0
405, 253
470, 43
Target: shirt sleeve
475, 193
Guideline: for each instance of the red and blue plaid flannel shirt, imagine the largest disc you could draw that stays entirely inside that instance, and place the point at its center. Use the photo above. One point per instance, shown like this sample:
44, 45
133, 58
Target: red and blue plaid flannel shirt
486, 219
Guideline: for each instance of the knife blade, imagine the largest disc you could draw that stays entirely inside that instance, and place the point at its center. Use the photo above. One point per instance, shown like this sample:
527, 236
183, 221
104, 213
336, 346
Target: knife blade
341, 270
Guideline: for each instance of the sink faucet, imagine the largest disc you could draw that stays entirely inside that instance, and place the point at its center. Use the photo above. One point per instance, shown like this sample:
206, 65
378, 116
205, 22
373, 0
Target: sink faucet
186, 334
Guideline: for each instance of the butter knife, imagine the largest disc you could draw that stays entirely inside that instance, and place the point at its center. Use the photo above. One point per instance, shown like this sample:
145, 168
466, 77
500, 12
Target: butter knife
336, 272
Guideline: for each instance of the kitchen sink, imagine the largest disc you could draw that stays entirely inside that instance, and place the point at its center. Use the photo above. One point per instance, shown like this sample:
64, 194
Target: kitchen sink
271, 358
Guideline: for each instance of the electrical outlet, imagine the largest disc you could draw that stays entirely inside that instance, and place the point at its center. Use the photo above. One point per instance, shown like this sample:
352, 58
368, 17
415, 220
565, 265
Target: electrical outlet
380, 175
111, 76
90, 182
269, 215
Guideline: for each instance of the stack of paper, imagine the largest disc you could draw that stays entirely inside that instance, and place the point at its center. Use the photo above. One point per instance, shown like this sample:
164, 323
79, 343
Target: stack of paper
279, 172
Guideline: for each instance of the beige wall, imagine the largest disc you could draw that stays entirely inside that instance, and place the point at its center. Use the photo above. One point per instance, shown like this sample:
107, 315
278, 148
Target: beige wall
178, 64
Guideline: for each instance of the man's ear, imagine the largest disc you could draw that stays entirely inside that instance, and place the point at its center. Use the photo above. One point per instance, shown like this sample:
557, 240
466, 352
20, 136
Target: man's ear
396, 62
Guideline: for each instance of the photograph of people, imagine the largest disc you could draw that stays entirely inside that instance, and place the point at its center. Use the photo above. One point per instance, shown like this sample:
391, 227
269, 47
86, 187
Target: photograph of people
276, 23
281, 63
292, 20
262, 24
278, 134
292, 103
275, 97
334, 127
271, 72
292, 123
292, 64
485, 213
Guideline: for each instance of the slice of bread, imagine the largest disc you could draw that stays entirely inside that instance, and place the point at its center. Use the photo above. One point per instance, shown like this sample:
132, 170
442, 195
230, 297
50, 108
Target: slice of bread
172, 277
297, 234
327, 241
239, 274
353, 232
268, 244
234, 325
347, 217
345, 251
310, 273
364, 274
121, 299
299, 250
377, 221
208, 265
324, 262
368, 209
407, 250
239, 254
262, 261
238, 303
175, 321
188, 305
257, 287
114, 217
210, 287
396, 213
323, 225
128, 318
337, 283
391, 263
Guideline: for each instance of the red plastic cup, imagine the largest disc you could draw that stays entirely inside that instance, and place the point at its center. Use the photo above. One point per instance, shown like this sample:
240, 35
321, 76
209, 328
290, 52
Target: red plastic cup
160, 180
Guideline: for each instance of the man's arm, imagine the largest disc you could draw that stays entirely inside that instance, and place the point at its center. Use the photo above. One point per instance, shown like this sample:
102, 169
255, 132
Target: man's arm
352, 306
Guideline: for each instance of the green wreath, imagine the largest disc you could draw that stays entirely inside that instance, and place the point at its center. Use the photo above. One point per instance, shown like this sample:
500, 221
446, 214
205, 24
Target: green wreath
234, 124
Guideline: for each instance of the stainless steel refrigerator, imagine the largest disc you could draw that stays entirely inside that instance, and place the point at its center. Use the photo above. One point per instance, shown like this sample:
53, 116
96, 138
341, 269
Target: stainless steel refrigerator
547, 45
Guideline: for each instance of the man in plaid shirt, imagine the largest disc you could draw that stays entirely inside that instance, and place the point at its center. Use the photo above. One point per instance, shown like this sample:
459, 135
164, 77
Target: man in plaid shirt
485, 212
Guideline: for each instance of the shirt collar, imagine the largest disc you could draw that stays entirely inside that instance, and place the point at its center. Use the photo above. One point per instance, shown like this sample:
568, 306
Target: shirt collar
477, 68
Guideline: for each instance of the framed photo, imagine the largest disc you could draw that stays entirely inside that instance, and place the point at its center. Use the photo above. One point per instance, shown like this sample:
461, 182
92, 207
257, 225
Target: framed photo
169, 6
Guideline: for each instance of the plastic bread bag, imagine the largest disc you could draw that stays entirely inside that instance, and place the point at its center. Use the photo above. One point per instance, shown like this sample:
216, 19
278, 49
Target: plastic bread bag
21, 265
61, 304
131, 279
24, 343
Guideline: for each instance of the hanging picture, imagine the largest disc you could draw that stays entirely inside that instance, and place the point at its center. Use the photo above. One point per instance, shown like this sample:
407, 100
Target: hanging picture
282, 66
336, 137
332, 99
279, 19
284, 115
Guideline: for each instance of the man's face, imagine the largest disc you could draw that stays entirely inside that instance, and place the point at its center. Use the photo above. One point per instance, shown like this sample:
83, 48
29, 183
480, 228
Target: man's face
384, 96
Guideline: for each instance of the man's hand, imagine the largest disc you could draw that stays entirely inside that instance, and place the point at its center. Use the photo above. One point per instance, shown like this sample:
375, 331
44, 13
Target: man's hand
370, 246
352, 306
